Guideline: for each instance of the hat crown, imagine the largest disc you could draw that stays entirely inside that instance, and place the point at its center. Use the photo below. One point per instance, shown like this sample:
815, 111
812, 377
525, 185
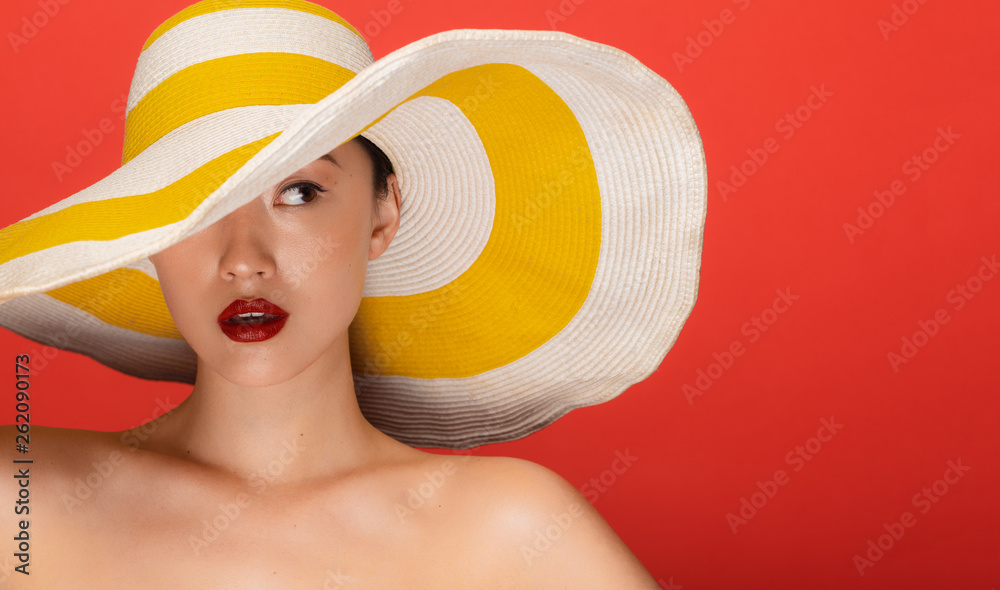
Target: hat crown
218, 55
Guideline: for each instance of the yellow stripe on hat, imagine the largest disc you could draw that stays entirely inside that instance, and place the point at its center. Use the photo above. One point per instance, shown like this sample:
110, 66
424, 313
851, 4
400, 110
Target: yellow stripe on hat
229, 82
209, 6
115, 218
536, 270
126, 298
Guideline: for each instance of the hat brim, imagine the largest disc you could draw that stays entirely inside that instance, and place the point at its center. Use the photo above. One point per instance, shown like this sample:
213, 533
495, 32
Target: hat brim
548, 255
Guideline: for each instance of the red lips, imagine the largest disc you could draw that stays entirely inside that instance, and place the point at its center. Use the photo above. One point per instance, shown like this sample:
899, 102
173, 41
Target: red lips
266, 320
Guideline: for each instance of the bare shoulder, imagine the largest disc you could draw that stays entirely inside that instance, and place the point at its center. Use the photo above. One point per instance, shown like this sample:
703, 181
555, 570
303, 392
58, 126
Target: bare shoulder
48, 466
10, 439
546, 530
50, 444
19, 443
62, 454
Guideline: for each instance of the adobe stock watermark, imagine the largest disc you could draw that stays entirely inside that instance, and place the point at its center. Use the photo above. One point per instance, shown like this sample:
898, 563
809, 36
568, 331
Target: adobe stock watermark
596, 486
753, 329
534, 207
563, 11
486, 86
419, 320
141, 433
62, 339
32, 26
786, 126
418, 496
336, 580
381, 19
547, 535
92, 138
85, 487
210, 179
768, 489
914, 169
899, 16
958, 297
712, 30
877, 546
299, 270
6, 569
421, 494
42, 356
551, 532
230, 512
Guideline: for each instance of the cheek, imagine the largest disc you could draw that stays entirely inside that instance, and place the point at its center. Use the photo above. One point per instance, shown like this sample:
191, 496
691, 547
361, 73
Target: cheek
330, 273
327, 283
179, 306
179, 272
332, 249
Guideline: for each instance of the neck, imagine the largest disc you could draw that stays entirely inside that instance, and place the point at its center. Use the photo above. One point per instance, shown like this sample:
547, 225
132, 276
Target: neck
307, 427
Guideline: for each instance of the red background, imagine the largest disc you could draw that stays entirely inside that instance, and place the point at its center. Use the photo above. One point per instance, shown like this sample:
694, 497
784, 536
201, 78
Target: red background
825, 356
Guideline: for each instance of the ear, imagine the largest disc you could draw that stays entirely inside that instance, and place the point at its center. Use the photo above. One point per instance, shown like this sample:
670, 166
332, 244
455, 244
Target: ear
386, 219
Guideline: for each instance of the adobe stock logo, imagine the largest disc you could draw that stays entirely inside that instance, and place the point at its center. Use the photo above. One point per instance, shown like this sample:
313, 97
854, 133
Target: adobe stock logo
900, 16
924, 500
753, 329
381, 19
787, 125
796, 458
914, 169
90, 139
607, 478
30, 27
548, 533
713, 29
958, 297
230, 512
565, 9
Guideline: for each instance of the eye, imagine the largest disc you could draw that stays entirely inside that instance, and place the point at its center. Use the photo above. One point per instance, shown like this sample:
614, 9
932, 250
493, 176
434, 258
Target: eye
299, 194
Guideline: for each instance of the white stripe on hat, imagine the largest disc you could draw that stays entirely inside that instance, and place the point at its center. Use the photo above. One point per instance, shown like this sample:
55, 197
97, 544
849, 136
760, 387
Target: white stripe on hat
251, 30
35, 268
189, 146
446, 218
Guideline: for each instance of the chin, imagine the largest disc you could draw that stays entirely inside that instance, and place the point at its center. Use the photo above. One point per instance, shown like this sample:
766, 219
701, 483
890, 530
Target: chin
268, 363
249, 368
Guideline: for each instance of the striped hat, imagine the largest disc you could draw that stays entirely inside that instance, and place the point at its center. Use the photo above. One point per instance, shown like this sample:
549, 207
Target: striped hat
554, 197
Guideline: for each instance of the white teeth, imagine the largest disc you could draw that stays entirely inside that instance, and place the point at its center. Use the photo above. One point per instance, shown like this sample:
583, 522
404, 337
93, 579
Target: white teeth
250, 315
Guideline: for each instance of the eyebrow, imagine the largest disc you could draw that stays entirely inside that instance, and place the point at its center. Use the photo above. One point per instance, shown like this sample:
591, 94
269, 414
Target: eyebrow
331, 160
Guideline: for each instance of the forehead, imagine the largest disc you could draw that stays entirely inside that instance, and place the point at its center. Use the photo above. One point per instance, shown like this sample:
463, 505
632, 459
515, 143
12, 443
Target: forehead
344, 158
347, 155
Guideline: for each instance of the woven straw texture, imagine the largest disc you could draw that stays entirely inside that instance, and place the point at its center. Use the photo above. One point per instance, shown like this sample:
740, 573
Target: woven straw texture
554, 198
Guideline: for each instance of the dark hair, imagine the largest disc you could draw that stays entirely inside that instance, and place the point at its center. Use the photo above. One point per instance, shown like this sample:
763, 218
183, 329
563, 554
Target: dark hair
381, 167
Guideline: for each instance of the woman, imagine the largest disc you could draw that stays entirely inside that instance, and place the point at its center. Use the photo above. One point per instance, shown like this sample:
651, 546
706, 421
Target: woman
269, 470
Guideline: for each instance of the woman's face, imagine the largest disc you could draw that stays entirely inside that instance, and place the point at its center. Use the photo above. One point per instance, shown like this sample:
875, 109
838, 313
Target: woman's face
303, 247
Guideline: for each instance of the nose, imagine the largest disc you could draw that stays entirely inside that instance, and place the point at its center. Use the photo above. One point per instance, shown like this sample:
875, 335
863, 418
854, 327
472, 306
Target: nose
245, 239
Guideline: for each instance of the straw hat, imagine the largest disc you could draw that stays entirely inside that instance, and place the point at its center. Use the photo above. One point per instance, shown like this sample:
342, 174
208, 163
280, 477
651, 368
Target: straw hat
554, 197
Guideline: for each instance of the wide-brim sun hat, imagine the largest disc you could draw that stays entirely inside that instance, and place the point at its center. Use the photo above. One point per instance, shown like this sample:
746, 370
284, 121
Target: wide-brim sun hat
554, 198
